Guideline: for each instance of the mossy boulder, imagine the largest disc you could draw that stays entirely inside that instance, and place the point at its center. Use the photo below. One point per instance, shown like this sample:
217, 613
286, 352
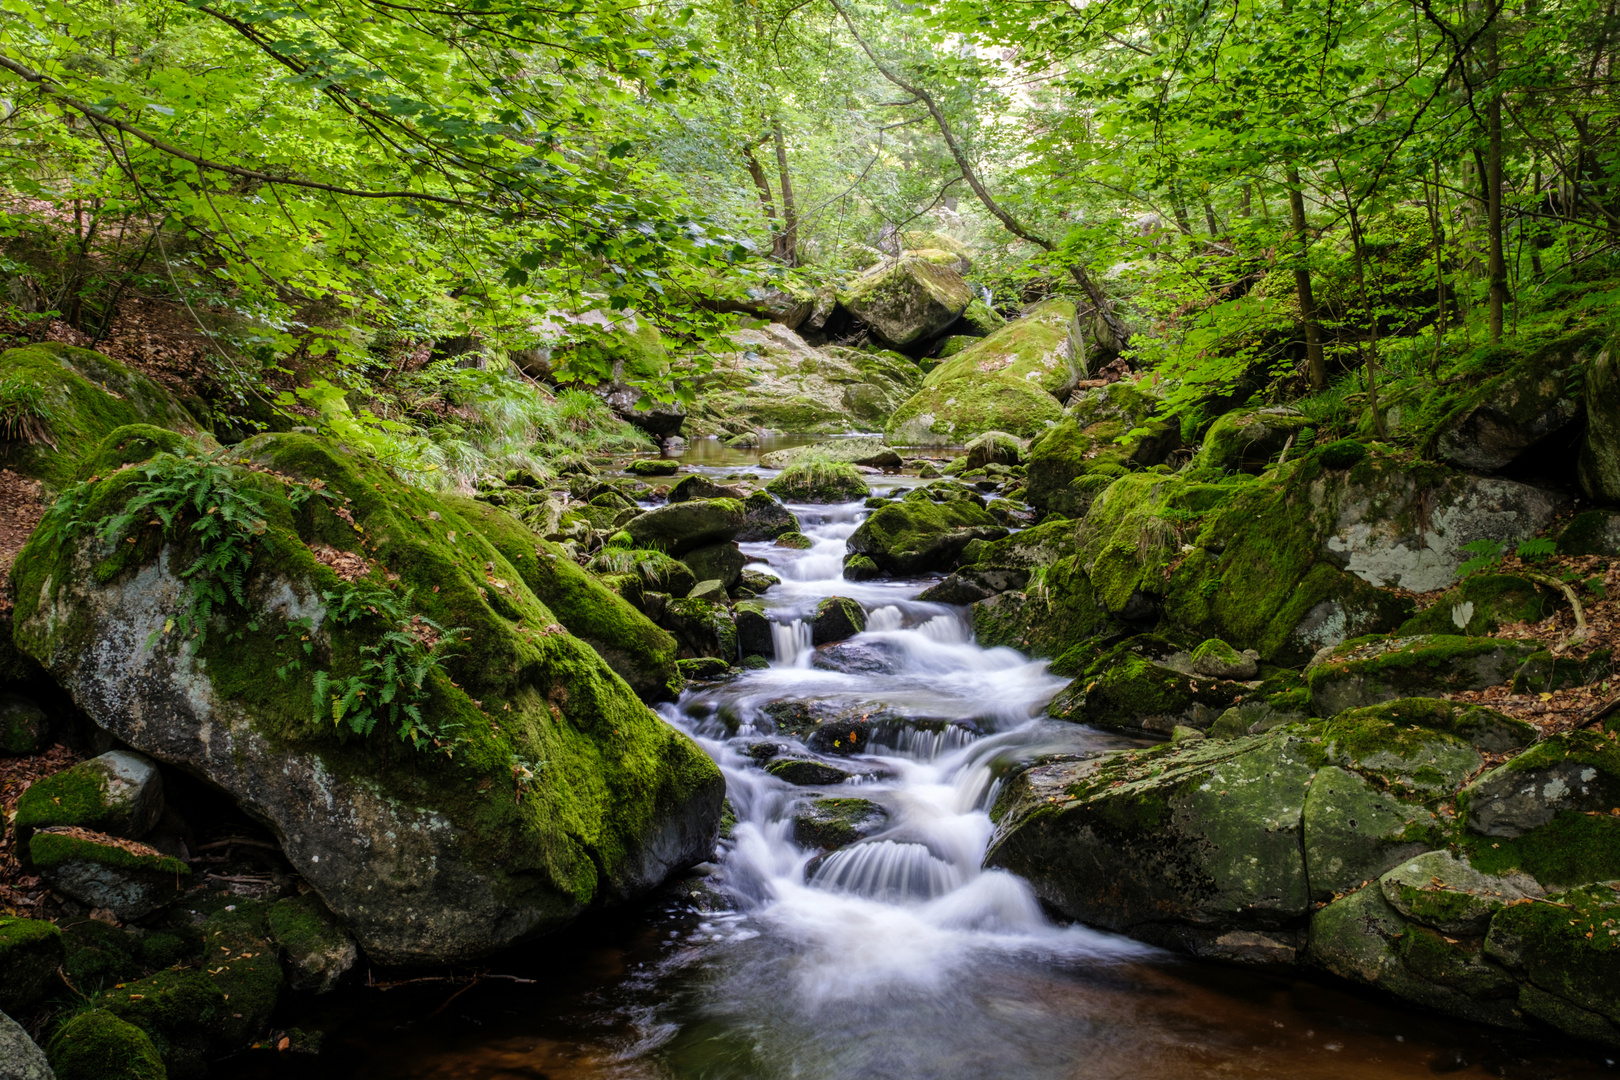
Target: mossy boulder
1355, 829
1507, 414
835, 823
1129, 691
953, 411
993, 448
636, 650
131, 880
1574, 772
119, 792
1446, 894
717, 562
819, 482
1178, 845
98, 955
907, 301
464, 852
317, 951
803, 772
30, 953
701, 628
1248, 440
1363, 939
653, 467
1215, 659
85, 396
764, 518
1568, 960
1594, 532
698, 486
1368, 670
775, 381
24, 727
1599, 462
979, 320
680, 527
1077, 458
1041, 349
653, 569
837, 618
181, 1011
915, 536
246, 969
96, 1045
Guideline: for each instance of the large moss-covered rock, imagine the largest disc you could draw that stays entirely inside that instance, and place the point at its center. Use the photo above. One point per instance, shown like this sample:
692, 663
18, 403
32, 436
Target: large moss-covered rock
681, 527
85, 397
1483, 603
1041, 349
1599, 462
1504, 416
119, 793
1127, 690
1368, 670
1077, 458
638, 651
95, 1045
913, 536
907, 301
775, 381
1595, 532
1355, 830
1446, 894
1568, 960
717, 562
765, 519
1171, 844
561, 790
819, 482
950, 412
1248, 440
30, 953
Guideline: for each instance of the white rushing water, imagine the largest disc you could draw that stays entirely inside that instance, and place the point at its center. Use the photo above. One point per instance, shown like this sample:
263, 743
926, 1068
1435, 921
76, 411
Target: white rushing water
909, 905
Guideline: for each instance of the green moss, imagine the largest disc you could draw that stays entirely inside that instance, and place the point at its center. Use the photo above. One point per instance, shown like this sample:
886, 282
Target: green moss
96, 1045
1595, 532
87, 396
639, 652
30, 952
97, 955
1564, 947
48, 850
163, 949
919, 534
952, 411
819, 482
1483, 603
76, 796
1343, 454
1571, 849
1036, 349
180, 1011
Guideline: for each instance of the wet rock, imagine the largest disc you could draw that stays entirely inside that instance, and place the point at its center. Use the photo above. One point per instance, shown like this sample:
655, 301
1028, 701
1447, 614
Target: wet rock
131, 880
1248, 440
722, 562
1446, 894
120, 793
30, 953
758, 581
1365, 671
794, 540
848, 733
754, 636
836, 823
837, 618
1363, 939
1570, 964
1131, 691
802, 772
1354, 831
701, 628
908, 300
318, 951
682, 527
698, 486
789, 717
1206, 834
704, 668
1573, 772
860, 568
20, 1059
24, 727
815, 482
915, 536
1218, 660
854, 658
766, 519
653, 467
972, 584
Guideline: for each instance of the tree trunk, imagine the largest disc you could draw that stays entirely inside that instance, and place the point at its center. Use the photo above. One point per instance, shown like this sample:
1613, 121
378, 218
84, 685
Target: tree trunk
762, 184
789, 250
1435, 227
1209, 220
1497, 266
1315, 361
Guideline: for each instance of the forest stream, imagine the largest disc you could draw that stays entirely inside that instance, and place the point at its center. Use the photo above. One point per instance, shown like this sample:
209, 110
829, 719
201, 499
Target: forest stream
895, 956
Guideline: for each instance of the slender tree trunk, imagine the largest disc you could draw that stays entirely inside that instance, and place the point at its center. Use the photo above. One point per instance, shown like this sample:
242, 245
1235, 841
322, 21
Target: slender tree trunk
1315, 361
1497, 265
1435, 227
789, 252
1178, 206
1246, 201
762, 184
1209, 220
1372, 317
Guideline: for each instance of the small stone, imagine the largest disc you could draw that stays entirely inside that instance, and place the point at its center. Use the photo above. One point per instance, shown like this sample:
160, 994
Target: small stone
805, 773
318, 950
119, 793
24, 727
834, 823
838, 618
712, 589
20, 1059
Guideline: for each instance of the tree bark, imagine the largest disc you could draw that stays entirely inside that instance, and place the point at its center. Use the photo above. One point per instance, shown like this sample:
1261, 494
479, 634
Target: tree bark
789, 248
762, 184
1497, 265
1315, 361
